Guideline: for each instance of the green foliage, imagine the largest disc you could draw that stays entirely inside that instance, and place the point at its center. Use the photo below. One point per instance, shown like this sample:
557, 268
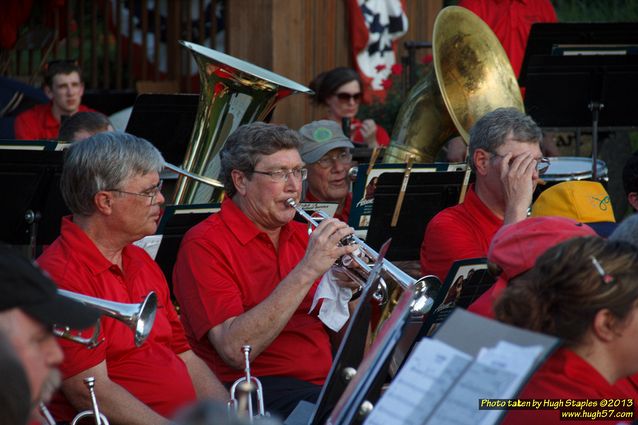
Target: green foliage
596, 10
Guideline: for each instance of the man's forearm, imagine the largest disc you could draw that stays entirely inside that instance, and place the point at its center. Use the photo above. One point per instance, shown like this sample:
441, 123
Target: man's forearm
204, 380
118, 405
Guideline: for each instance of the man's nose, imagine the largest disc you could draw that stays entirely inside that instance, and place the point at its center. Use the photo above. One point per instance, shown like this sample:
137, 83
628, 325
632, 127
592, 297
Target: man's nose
53, 352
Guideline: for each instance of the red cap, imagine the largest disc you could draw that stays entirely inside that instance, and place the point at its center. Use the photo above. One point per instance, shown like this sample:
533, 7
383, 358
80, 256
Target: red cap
516, 247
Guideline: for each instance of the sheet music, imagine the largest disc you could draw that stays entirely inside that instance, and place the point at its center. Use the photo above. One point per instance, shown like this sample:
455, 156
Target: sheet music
150, 244
440, 384
415, 392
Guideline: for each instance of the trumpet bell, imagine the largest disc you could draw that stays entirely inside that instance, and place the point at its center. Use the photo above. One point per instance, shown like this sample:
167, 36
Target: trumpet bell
138, 317
471, 76
233, 92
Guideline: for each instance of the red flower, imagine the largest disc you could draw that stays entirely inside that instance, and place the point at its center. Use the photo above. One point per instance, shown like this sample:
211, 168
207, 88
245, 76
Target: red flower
396, 69
426, 59
380, 67
387, 83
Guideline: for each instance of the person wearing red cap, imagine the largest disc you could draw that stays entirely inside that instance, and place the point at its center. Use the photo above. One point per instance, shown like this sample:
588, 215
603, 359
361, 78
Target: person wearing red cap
516, 247
506, 157
585, 292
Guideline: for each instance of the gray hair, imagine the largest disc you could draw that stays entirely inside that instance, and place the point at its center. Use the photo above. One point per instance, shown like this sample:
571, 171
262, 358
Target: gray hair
493, 128
245, 147
627, 231
104, 161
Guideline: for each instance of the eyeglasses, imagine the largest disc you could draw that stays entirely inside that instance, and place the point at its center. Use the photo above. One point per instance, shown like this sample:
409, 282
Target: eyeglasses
151, 193
347, 97
343, 157
542, 165
280, 176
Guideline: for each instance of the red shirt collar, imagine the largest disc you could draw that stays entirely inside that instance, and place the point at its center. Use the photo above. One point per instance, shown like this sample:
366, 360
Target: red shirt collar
242, 227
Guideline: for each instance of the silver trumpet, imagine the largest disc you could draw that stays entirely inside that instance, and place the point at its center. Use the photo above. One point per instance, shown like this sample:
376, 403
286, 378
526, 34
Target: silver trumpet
425, 291
100, 419
138, 317
247, 385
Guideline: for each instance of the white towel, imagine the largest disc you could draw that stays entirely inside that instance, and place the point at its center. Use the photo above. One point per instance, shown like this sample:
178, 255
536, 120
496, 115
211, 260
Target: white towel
334, 311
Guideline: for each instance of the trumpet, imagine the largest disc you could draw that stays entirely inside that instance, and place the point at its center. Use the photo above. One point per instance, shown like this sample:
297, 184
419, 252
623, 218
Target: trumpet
248, 385
425, 291
100, 419
138, 317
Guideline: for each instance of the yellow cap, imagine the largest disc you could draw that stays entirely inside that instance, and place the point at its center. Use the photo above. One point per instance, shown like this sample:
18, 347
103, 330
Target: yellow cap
584, 201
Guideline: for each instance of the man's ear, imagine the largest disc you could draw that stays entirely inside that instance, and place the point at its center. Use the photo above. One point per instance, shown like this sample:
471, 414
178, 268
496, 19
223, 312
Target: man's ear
632, 197
480, 158
48, 92
239, 180
103, 202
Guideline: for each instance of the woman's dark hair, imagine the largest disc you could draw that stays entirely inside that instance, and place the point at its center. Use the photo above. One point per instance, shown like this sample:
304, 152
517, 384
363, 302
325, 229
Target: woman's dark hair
327, 83
565, 289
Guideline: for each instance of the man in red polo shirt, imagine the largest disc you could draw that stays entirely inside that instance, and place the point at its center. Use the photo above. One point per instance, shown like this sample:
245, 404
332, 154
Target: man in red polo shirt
64, 86
506, 156
112, 207
326, 152
248, 274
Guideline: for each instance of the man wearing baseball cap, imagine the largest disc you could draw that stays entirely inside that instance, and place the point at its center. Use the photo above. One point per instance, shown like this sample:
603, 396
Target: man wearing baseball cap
30, 306
515, 248
326, 152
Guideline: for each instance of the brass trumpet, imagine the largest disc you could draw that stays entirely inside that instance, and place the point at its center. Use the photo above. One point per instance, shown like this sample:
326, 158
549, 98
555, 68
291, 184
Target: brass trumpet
138, 317
425, 291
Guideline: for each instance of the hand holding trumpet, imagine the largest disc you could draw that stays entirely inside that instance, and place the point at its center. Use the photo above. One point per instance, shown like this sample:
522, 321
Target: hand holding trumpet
325, 247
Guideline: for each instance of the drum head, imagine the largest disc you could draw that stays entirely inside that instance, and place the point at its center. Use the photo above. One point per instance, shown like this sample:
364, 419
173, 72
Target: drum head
567, 168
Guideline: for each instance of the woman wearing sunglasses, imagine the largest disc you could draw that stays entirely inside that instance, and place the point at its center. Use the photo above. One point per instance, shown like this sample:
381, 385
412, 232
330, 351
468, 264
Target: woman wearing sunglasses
339, 90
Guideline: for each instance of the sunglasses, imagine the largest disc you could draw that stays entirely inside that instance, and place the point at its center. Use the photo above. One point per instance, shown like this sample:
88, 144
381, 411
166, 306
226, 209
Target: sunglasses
347, 97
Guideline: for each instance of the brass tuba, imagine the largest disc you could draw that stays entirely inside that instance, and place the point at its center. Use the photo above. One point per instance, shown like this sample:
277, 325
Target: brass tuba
471, 76
233, 92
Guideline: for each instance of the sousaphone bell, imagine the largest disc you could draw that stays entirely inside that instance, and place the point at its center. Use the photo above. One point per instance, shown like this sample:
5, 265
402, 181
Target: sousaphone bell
471, 76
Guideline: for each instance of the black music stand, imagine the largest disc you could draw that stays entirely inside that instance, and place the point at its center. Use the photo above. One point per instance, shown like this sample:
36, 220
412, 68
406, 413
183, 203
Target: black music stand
176, 221
33, 206
426, 195
165, 120
579, 75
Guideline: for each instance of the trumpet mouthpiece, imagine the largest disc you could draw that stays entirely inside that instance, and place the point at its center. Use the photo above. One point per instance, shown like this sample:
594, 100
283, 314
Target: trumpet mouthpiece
291, 202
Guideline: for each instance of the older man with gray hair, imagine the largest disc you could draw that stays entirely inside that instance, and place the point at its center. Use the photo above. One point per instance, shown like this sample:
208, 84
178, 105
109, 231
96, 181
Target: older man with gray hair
326, 152
247, 275
111, 184
505, 155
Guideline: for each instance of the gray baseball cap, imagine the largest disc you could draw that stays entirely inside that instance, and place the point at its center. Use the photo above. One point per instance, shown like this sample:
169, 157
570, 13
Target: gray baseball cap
320, 137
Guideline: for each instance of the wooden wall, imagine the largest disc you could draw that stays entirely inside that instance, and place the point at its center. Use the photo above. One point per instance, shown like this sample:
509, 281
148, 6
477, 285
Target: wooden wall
301, 38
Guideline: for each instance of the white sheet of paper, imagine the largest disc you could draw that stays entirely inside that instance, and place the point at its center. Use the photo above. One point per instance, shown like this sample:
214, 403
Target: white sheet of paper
150, 244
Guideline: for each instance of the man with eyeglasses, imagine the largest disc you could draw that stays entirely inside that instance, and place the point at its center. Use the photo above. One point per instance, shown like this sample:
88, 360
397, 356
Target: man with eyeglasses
505, 155
63, 84
326, 152
247, 275
111, 184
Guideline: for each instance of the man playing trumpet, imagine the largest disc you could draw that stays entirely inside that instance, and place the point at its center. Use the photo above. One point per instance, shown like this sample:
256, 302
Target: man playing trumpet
247, 275
111, 184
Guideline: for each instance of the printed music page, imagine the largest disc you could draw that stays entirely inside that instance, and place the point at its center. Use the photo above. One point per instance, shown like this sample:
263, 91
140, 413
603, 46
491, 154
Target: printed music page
429, 373
440, 384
